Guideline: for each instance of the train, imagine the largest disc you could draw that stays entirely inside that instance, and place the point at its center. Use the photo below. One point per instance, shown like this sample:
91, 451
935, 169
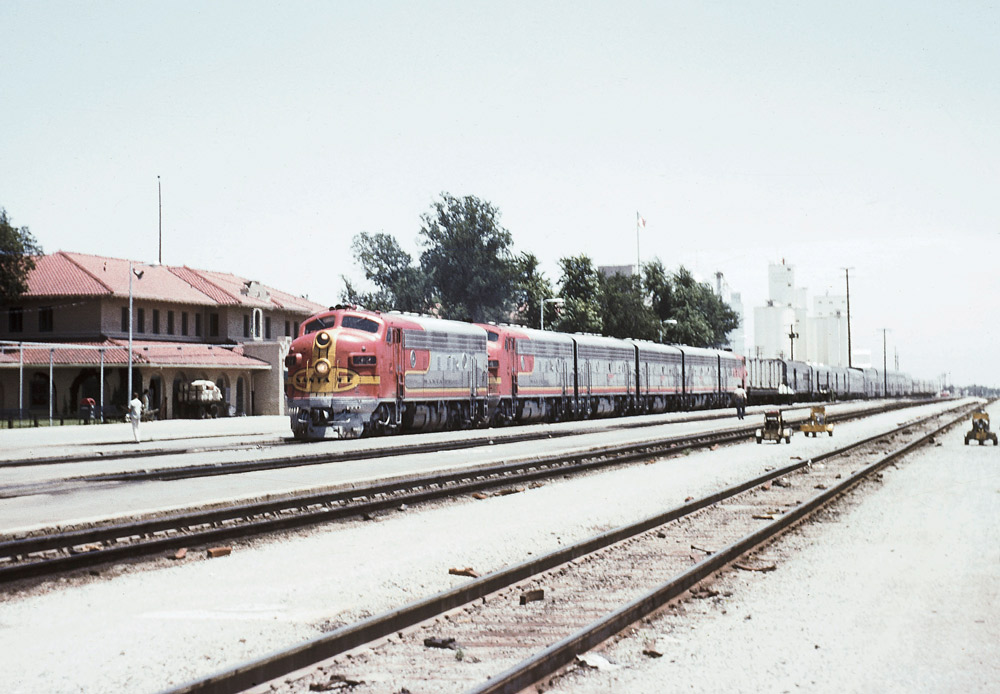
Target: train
353, 372
785, 381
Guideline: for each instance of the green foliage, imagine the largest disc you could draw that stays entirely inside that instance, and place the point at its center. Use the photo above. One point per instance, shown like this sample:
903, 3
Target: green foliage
656, 282
624, 309
400, 284
468, 271
703, 319
18, 249
580, 287
530, 290
660, 307
468, 259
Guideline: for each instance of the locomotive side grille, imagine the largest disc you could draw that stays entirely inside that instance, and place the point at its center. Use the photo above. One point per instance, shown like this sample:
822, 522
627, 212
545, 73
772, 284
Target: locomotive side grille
544, 349
425, 339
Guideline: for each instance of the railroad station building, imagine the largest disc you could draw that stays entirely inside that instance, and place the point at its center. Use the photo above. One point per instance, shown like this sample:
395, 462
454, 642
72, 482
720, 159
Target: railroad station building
187, 324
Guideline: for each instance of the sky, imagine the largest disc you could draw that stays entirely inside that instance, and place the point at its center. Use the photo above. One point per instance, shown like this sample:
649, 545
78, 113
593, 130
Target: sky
828, 135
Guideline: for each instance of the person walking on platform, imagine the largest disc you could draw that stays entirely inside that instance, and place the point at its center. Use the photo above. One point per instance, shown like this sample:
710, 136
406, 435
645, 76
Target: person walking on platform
740, 400
135, 415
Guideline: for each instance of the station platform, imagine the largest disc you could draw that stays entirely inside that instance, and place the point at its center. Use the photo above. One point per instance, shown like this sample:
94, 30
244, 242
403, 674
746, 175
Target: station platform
44, 441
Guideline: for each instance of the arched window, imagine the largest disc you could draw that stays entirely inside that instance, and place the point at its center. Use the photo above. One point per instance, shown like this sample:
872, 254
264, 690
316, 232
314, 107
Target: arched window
240, 396
258, 324
223, 383
39, 390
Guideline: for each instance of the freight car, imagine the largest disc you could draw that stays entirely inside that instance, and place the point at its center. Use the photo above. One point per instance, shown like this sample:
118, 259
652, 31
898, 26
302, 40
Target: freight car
786, 381
780, 381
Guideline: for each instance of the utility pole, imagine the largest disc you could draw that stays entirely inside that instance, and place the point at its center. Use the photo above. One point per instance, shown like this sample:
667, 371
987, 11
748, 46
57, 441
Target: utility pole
885, 374
791, 339
847, 279
639, 222
132, 272
159, 195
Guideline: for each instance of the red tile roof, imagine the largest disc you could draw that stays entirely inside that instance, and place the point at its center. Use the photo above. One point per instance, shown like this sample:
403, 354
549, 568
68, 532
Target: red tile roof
143, 353
70, 354
173, 354
78, 274
202, 284
58, 275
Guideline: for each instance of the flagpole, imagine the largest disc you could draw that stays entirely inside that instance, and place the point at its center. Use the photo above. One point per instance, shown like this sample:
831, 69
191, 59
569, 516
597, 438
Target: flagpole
638, 264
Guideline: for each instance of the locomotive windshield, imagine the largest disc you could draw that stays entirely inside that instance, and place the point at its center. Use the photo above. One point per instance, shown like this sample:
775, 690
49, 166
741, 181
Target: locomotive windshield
359, 323
319, 323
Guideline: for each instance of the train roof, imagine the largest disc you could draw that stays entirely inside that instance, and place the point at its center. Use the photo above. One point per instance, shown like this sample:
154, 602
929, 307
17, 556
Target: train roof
409, 321
432, 324
532, 334
600, 341
705, 352
646, 346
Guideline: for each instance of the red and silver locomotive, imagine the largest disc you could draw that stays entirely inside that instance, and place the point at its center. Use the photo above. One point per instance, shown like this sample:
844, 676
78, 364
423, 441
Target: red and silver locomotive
352, 372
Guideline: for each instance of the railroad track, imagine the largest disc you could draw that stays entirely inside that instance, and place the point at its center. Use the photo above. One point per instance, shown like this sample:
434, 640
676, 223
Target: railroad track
46, 554
492, 437
517, 626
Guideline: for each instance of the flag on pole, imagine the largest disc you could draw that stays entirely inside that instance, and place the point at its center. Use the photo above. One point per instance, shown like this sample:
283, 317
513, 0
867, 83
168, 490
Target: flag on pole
639, 220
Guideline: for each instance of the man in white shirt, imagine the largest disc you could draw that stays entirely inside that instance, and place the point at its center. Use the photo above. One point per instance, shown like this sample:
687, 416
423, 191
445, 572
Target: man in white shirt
135, 415
740, 400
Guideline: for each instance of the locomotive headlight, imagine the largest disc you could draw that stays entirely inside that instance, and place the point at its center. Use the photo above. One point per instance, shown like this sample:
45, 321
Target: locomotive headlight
323, 339
322, 367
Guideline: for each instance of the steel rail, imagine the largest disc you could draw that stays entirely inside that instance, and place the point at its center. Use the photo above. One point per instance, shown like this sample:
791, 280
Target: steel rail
280, 663
493, 435
562, 653
220, 469
350, 501
188, 472
152, 536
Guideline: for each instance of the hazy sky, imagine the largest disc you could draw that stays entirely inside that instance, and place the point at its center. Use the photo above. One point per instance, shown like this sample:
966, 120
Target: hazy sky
862, 134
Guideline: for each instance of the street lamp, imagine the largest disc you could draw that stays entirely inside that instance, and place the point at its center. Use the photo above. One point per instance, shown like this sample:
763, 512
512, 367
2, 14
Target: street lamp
557, 301
138, 275
665, 321
791, 340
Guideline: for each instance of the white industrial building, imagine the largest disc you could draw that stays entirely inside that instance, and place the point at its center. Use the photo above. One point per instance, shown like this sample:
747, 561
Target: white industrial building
735, 339
784, 329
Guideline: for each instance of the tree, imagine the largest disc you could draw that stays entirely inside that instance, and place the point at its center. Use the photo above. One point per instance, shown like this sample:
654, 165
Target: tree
468, 258
656, 282
703, 319
624, 310
699, 298
18, 249
400, 284
531, 288
580, 287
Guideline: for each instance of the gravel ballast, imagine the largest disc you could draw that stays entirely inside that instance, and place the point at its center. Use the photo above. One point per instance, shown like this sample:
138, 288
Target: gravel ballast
897, 590
149, 629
